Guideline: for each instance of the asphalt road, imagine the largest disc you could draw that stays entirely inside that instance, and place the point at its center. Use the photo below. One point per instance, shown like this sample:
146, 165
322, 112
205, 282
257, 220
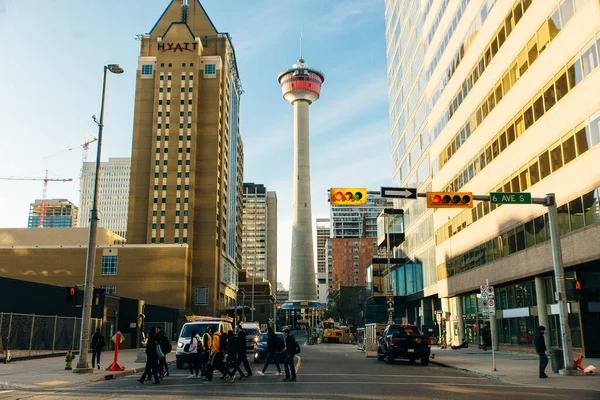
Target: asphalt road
327, 371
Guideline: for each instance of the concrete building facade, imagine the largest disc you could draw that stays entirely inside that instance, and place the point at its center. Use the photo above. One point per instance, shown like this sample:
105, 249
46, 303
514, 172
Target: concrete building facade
187, 157
57, 213
113, 194
505, 102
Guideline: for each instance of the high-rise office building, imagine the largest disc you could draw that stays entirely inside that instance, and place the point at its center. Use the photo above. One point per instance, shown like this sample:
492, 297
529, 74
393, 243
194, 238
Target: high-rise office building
323, 231
259, 238
57, 213
498, 96
358, 221
187, 158
113, 194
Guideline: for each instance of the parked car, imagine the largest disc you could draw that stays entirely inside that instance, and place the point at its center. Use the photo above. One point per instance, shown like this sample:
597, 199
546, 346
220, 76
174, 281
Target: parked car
200, 324
403, 341
260, 350
252, 330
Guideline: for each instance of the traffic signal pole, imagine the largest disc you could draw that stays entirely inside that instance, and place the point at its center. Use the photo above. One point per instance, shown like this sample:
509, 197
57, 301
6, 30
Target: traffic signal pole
559, 275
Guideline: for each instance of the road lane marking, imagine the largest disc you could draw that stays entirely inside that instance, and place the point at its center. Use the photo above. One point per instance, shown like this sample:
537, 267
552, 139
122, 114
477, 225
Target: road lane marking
6, 391
52, 383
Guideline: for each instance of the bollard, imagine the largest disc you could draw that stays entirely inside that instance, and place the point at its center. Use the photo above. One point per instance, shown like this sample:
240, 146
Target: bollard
69, 358
115, 366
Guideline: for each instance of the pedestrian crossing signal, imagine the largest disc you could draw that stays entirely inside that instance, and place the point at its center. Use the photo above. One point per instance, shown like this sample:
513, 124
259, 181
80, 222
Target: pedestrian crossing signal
72, 293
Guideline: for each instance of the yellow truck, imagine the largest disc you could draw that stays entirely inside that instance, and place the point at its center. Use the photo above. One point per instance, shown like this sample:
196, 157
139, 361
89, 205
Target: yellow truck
331, 331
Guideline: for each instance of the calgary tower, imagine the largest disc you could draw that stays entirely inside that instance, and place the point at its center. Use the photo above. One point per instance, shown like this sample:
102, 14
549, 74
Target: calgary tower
301, 85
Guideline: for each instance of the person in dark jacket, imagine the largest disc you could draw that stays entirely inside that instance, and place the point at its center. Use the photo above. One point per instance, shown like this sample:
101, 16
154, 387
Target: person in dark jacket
97, 344
152, 366
290, 352
232, 350
273, 346
540, 348
241, 354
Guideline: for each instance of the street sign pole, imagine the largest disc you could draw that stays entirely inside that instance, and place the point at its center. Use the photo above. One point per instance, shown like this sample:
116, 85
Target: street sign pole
492, 327
559, 277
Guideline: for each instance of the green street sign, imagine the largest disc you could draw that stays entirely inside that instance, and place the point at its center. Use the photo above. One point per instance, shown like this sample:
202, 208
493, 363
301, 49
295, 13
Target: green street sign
510, 198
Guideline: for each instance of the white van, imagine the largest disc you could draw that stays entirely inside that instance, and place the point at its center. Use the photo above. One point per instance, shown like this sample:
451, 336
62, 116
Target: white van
201, 325
252, 330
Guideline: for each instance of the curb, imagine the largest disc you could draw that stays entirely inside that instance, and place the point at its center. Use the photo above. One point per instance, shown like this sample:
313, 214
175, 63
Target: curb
120, 374
469, 371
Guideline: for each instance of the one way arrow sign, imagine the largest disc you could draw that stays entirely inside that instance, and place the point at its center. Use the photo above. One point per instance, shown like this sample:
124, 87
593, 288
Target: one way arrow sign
399, 193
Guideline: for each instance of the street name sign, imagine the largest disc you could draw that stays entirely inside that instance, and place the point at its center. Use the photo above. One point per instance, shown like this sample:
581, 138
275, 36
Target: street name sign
510, 198
398, 192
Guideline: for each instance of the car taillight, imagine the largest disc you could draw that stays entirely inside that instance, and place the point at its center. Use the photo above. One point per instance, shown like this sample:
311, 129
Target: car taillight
392, 340
429, 342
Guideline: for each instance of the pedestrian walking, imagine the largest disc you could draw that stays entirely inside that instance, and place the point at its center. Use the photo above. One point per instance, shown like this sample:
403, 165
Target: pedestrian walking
241, 354
231, 364
166, 347
218, 348
540, 347
206, 345
290, 351
194, 355
274, 345
152, 366
97, 345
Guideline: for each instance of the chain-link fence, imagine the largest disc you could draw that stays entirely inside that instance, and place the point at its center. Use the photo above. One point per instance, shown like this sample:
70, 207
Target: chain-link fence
29, 335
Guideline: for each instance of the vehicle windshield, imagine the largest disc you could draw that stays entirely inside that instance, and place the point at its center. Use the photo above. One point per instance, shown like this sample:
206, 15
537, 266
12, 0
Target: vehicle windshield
251, 331
200, 327
264, 336
328, 325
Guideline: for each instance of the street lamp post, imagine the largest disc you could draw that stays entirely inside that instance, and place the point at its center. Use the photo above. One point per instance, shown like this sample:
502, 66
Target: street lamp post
82, 364
252, 309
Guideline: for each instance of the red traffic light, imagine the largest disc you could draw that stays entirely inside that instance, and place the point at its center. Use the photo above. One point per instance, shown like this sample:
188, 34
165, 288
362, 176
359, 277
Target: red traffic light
436, 199
577, 284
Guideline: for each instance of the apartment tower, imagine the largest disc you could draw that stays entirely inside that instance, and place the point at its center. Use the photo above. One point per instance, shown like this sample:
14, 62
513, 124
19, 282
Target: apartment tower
187, 158
259, 238
323, 230
113, 194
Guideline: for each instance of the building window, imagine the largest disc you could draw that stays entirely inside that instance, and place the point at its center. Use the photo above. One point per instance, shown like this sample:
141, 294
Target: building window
176, 240
210, 69
190, 102
201, 295
162, 240
185, 212
154, 213
147, 69
162, 77
169, 77
109, 290
153, 240
184, 240
109, 265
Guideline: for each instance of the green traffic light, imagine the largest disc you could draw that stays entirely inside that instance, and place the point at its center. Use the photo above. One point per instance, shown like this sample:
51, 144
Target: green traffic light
358, 195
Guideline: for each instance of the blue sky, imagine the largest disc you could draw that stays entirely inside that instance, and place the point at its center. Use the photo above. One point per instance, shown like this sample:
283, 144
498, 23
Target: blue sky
54, 51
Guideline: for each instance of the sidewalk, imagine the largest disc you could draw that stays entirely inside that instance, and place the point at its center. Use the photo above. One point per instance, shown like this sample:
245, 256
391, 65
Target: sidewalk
50, 372
515, 368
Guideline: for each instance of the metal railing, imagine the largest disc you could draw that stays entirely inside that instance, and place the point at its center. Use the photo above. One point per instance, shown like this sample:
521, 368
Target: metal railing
32, 335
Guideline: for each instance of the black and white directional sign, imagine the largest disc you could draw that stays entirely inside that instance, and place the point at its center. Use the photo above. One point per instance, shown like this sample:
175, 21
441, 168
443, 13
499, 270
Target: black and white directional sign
398, 192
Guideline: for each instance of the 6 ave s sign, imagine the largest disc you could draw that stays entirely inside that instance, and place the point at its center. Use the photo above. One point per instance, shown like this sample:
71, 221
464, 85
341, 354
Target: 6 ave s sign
510, 198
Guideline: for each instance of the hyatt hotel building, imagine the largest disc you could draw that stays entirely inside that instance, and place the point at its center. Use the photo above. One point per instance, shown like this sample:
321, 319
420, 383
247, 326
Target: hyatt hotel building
187, 157
498, 96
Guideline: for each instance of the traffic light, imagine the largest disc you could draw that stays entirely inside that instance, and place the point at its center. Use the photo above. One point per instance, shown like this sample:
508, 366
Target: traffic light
449, 200
348, 196
72, 295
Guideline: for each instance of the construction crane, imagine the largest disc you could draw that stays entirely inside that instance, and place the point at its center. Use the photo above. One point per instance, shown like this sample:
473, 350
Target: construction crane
46, 180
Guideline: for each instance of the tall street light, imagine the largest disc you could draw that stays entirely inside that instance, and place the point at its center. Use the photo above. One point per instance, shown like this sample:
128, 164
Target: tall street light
82, 364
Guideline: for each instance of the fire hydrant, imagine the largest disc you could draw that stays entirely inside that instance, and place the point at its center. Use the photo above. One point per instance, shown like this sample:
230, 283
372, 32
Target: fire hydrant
69, 358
